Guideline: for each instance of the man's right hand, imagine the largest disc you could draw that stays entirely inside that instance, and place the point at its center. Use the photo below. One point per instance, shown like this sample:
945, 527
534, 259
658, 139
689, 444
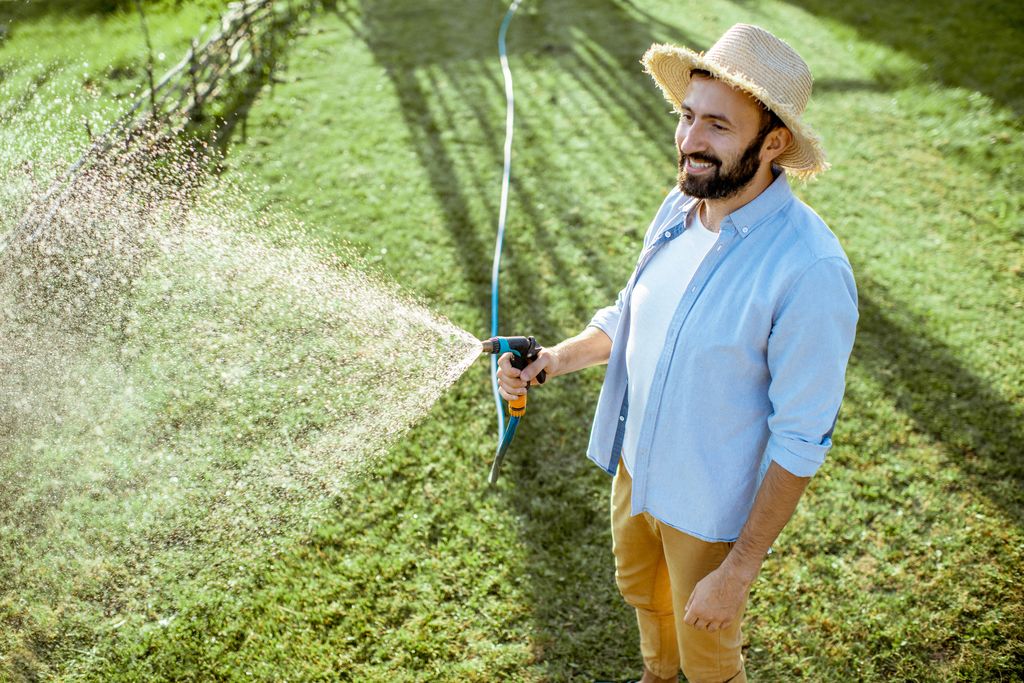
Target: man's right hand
513, 382
589, 347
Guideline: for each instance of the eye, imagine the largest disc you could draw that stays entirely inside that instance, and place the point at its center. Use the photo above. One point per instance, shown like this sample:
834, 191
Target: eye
686, 116
718, 126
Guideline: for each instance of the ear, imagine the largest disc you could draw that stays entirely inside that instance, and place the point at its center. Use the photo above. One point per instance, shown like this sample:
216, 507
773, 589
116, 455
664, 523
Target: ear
775, 144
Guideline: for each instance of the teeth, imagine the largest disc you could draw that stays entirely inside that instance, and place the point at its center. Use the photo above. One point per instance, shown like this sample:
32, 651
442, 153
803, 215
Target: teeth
698, 164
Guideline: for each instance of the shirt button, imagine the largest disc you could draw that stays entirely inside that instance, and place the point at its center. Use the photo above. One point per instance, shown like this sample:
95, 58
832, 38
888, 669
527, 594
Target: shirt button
745, 230
719, 247
667, 234
622, 418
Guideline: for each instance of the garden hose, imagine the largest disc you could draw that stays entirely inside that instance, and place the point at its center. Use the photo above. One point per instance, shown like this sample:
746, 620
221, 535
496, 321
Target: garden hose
505, 432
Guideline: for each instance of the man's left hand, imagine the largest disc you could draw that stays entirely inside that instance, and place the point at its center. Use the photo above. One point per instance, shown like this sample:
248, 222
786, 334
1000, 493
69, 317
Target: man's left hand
717, 599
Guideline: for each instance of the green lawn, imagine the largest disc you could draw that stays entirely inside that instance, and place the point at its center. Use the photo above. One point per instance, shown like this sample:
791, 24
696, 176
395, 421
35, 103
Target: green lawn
383, 130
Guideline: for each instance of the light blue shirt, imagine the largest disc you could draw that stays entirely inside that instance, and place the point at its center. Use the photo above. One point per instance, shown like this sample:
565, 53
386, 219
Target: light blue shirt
751, 370
652, 306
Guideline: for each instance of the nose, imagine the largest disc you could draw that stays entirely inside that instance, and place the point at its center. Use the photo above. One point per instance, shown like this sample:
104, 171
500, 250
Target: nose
689, 139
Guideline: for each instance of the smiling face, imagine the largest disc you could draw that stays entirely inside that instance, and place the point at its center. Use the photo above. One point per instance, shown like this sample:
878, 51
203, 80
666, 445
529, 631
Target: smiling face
720, 139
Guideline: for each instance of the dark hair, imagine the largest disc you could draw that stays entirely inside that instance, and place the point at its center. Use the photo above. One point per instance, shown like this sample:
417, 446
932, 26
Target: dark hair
769, 119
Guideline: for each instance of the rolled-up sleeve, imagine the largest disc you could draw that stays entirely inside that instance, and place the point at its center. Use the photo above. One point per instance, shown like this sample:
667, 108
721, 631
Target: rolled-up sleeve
607, 318
808, 349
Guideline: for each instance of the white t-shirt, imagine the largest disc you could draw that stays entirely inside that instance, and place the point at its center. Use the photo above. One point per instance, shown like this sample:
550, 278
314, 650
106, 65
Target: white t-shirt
653, 302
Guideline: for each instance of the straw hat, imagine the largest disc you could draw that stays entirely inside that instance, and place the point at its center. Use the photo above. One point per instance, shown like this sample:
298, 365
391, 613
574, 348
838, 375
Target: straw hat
753, 60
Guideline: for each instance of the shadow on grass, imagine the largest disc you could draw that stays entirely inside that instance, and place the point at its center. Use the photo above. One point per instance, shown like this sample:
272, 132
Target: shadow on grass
973, 45
600, 44
218, 120
944, 399
577, 614
451, 69
13, 12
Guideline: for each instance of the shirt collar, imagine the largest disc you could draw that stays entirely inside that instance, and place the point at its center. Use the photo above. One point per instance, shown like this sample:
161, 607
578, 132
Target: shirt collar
746, 218
752, 214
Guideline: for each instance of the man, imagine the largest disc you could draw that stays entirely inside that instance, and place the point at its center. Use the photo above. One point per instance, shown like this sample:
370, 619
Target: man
726, 354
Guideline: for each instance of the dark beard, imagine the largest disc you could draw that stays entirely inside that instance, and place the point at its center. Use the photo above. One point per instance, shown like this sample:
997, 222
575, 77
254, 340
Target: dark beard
717, 185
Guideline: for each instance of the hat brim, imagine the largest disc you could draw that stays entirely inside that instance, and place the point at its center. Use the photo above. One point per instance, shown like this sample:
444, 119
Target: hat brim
670, 66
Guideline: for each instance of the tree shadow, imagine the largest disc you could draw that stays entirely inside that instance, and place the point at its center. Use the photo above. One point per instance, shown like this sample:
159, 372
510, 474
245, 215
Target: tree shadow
603, 41
448, 71
983, 430
215, 123
973, 45
441, 70
12, 13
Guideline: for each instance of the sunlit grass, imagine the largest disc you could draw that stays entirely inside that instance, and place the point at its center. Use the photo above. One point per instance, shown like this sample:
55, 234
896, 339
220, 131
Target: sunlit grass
384, 129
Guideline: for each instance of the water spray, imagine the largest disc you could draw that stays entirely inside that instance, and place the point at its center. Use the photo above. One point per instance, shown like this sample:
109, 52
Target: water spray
524, 351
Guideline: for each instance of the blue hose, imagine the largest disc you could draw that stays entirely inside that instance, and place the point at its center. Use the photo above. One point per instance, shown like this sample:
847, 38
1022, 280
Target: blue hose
506, 441
502, 213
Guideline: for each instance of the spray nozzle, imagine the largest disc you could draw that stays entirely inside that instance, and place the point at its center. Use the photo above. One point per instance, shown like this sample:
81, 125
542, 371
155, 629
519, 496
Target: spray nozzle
524, 351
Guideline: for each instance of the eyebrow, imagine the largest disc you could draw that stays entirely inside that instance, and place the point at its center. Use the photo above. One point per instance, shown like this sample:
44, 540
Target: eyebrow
718, 117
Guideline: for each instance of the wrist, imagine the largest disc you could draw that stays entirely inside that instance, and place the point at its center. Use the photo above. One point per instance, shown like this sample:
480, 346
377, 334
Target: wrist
554, 367
743, 564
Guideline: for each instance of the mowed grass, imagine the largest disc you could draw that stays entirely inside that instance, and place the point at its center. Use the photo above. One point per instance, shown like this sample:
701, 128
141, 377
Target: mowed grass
904, 560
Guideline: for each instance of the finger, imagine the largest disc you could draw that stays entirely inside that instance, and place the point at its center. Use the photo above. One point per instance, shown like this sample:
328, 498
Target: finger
505, 365
512, 385
509, 376
534, 368
510, 393
510, 380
